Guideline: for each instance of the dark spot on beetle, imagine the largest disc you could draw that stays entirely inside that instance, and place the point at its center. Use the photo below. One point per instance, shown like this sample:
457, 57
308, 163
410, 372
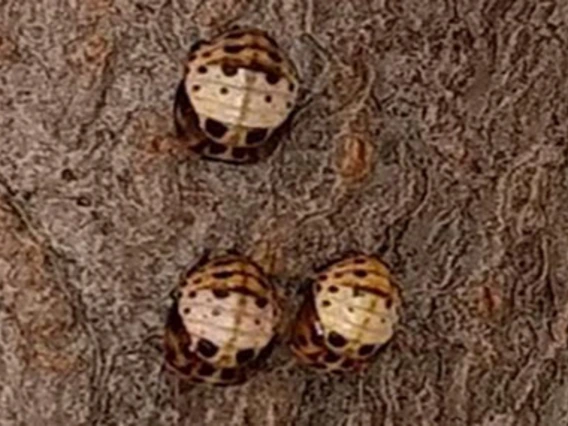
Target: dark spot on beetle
202, 69
272, 77
196, 87
197, 281
256, 136
206, 54
224, 90
239, 153
291, 87
318, 288
229, 70
215, 312
186, 311
223, 275
186, 370
322, 277
191, 57
233, 48
206, 370
68, 175
383, 321
217, 148
221, 293
245, 355
360, 273
275, 56
347, 364
261, 302
366, 350
336, 339
192, 294
268, 99
331, 357
326, 303
333, 289
257, 321
207, 348
360, 261
337, 275
215, 128
288, 105
228, 374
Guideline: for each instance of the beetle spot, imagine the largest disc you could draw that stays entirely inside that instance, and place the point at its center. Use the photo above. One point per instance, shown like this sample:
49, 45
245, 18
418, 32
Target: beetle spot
207, 348
202, 69
215, 312
206, 54
245, 355
336, 339
268, 99
337, 275
326, 303
257, 321
333, 289
318, 288
322, 277
347, 364
229, 70
388, 303
272, 78
331, 357
222, 275
291, 87
275, 56
360, 260
191, 57
186, 311
197, 281
360, 273
221, 293
224, 90
261, 302
215, 128
228, 374
233, 48
206, 370
239, 153
366, 350
192, 294
289, 105
256, 136
217, 148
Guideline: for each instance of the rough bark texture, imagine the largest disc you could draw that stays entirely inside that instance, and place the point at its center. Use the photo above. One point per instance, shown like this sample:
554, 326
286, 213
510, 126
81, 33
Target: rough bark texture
431, 132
